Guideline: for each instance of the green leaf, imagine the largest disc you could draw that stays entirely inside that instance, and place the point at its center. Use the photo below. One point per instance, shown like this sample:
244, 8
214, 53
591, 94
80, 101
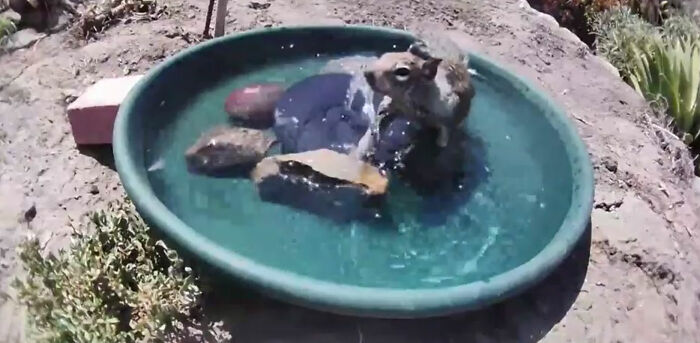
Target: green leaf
80, 294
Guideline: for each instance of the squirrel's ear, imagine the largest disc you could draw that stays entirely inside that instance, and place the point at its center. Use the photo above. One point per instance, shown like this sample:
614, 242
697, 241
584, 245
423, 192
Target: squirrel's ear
430, 67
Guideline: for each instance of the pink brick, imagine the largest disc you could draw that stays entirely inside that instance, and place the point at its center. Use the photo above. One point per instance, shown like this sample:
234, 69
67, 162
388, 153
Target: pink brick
92, 115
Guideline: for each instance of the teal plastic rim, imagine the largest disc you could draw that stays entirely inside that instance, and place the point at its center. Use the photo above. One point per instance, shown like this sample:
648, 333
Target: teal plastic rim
355, 300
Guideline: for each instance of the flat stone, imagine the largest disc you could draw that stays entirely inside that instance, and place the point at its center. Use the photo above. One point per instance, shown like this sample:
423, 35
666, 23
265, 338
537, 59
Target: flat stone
11, 16
228, 150
23, 38
92, 114
322, 181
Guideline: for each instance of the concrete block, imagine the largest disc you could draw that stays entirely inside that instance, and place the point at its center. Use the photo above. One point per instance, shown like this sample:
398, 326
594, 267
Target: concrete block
92, 114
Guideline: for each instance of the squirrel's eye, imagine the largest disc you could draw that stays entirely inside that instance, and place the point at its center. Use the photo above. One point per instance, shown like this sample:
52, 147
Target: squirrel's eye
402, 73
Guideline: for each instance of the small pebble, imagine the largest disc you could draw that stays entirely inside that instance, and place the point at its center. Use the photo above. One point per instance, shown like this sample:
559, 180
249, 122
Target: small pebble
610, 164
30, 214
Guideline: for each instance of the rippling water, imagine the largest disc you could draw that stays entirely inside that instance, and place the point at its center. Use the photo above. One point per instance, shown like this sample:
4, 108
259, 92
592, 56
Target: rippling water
511, 203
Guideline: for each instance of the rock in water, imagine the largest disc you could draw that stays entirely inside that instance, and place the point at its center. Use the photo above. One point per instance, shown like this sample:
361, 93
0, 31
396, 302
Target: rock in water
324, 182
224, 150
328, 111
254, 105
395, 138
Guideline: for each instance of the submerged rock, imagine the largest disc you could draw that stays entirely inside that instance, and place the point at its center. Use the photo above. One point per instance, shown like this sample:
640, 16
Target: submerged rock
324, 182
227, 150
254, 105
395, 138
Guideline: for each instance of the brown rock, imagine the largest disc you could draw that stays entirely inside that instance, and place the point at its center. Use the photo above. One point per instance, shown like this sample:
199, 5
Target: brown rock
34, 13
228, 149
254, 105
324, 182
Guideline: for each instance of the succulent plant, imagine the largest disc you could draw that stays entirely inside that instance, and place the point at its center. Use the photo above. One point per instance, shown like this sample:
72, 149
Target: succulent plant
670, 68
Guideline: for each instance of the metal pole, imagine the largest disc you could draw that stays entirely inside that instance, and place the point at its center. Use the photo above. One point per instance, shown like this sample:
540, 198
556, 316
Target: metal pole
210, 10
220, 18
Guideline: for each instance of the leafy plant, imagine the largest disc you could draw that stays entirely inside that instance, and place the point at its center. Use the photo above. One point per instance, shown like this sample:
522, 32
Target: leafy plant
114, 284
670, 68
618, 32
7, 27
662, 63
680, 26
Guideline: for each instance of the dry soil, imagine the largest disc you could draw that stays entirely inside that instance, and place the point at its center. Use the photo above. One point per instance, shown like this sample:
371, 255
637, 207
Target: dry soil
634, 278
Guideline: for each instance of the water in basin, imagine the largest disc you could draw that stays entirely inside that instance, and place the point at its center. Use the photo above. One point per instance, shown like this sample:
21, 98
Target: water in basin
519, 190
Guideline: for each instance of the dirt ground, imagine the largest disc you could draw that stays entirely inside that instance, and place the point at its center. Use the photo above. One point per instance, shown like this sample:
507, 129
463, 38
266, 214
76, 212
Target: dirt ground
634, 278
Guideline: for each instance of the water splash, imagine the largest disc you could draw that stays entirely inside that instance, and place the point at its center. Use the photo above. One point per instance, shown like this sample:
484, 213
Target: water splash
472, 264
158, 164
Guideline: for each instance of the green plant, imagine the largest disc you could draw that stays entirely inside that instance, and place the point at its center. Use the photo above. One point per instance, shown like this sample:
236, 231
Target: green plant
114, 284
680, 26
7, 27
670, 68
618, 32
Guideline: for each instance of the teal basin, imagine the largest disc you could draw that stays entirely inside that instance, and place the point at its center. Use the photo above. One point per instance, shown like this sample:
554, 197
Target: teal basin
524, 203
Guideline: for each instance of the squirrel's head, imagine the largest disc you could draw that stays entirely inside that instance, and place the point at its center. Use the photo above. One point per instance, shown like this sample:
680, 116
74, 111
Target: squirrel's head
395, 72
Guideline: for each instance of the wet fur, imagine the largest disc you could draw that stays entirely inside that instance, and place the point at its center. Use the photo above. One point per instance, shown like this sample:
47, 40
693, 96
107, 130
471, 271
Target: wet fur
437, 92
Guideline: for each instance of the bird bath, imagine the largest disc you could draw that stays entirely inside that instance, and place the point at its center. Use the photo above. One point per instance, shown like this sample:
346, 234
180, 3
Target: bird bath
523, 203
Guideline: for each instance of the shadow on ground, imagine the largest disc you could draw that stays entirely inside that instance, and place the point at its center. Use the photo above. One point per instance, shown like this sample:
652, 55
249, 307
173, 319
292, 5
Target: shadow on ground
524, 318
101, 153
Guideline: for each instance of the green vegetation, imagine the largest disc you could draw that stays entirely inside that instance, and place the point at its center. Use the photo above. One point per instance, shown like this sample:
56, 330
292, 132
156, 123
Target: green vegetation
662, 63
618, 32
576, 15
7, 27
670, 69
114, 284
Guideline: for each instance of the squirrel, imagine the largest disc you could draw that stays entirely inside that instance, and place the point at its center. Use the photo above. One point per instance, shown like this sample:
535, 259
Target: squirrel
436, 91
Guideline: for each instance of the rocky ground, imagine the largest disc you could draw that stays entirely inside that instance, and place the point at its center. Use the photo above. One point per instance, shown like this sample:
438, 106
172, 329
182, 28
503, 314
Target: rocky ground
635, 278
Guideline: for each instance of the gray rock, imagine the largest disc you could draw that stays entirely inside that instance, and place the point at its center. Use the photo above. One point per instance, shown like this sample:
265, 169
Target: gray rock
610, 164
327, 111
11, 16
227, 150
30, 213
324, 182
23, 38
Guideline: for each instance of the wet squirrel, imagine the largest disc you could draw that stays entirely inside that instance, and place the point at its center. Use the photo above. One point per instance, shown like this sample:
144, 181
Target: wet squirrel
436, 91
